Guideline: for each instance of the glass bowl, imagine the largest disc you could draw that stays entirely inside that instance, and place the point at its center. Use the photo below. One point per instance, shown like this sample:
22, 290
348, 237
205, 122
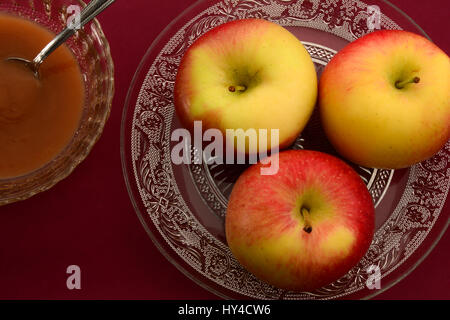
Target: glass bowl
91, 50
182, 207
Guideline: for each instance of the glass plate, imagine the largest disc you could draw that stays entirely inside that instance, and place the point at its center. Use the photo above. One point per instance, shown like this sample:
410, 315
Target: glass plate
182, 207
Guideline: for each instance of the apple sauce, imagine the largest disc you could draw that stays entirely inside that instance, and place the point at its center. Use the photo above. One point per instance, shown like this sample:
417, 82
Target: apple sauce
38, 117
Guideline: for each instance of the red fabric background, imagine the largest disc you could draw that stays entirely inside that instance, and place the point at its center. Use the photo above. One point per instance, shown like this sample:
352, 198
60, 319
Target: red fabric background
88, 219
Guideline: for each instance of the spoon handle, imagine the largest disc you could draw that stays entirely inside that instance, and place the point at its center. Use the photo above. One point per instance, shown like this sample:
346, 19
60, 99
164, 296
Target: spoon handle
87, 14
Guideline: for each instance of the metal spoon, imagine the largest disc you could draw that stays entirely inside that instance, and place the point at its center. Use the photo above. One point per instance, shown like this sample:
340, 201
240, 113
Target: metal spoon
87, 14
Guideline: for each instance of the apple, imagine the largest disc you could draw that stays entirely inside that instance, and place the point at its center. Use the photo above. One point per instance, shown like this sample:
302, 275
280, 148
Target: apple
385, 99
247, 74
303, 227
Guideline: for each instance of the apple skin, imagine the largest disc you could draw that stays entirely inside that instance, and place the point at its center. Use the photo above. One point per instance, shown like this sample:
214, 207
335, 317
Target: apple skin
273, 65
370, 121
265, 230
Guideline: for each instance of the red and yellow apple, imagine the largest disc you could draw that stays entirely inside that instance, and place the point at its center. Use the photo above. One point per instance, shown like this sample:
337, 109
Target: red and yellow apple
303, 227
385, 99
247, 74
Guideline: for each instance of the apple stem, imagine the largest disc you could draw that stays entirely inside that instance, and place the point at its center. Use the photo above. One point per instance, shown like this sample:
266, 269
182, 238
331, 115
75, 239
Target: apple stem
401, 84
306, 218
237, 88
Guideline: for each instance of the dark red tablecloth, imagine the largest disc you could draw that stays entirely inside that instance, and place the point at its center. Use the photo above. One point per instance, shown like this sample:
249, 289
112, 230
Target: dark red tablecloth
88, 220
